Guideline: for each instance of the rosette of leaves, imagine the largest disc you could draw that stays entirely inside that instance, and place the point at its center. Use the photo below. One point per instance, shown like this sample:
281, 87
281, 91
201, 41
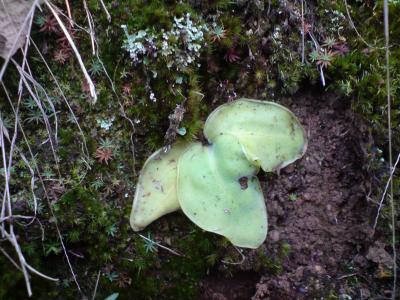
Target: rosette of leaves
215, 185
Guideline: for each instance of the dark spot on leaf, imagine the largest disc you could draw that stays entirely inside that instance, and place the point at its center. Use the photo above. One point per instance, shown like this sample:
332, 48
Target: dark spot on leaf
243, 181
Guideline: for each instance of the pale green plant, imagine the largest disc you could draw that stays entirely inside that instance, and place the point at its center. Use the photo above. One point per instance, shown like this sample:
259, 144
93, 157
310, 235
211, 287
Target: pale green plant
215, 185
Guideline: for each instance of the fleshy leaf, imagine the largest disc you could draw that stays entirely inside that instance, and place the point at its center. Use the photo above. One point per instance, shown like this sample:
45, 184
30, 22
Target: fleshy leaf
218, 191
156, 189
271, 134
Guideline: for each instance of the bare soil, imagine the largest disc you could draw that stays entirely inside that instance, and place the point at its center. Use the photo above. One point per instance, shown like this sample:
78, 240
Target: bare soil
319, 206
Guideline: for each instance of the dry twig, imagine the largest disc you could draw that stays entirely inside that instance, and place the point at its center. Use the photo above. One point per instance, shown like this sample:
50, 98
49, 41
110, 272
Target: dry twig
159, 245
389, 121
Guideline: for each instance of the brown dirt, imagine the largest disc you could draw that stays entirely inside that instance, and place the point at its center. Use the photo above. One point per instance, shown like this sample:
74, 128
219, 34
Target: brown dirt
319, 207
240, 286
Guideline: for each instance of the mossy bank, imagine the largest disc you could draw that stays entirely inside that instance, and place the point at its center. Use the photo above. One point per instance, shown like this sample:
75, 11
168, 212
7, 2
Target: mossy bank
160, 68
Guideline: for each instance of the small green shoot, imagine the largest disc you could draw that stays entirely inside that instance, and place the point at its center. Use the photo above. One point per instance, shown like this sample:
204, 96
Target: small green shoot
292, 197
149, 244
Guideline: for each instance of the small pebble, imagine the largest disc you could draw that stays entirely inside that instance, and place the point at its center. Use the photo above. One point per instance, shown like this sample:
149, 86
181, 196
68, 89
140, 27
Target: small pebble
274, 235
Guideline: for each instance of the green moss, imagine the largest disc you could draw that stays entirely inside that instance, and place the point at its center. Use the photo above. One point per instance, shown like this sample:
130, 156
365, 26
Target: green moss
93, 201
86, 220
272, 262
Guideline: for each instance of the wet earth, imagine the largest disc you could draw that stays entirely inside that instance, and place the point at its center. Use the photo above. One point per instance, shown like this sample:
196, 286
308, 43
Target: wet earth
320, 207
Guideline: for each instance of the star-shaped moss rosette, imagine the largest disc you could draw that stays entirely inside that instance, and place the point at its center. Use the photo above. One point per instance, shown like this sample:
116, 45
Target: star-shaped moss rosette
215, 184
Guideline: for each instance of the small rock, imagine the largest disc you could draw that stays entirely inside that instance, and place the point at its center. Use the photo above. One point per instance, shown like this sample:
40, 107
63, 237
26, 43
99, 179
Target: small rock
274, 235
319, 269
378, 254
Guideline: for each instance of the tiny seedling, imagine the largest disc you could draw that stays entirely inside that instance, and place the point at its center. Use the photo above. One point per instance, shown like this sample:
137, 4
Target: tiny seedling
149, 244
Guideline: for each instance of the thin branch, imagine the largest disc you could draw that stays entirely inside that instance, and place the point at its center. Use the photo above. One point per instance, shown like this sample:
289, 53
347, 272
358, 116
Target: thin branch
17, 122
385, 191
37, 86
355, 29
48, 202
69, 13
14, 242
91, 25
14, 217
10, 236
97, 284
159, 245
302, 31
10, 259
317, 48
45, 118
33, 270
86, 151
389, 121
105, 9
